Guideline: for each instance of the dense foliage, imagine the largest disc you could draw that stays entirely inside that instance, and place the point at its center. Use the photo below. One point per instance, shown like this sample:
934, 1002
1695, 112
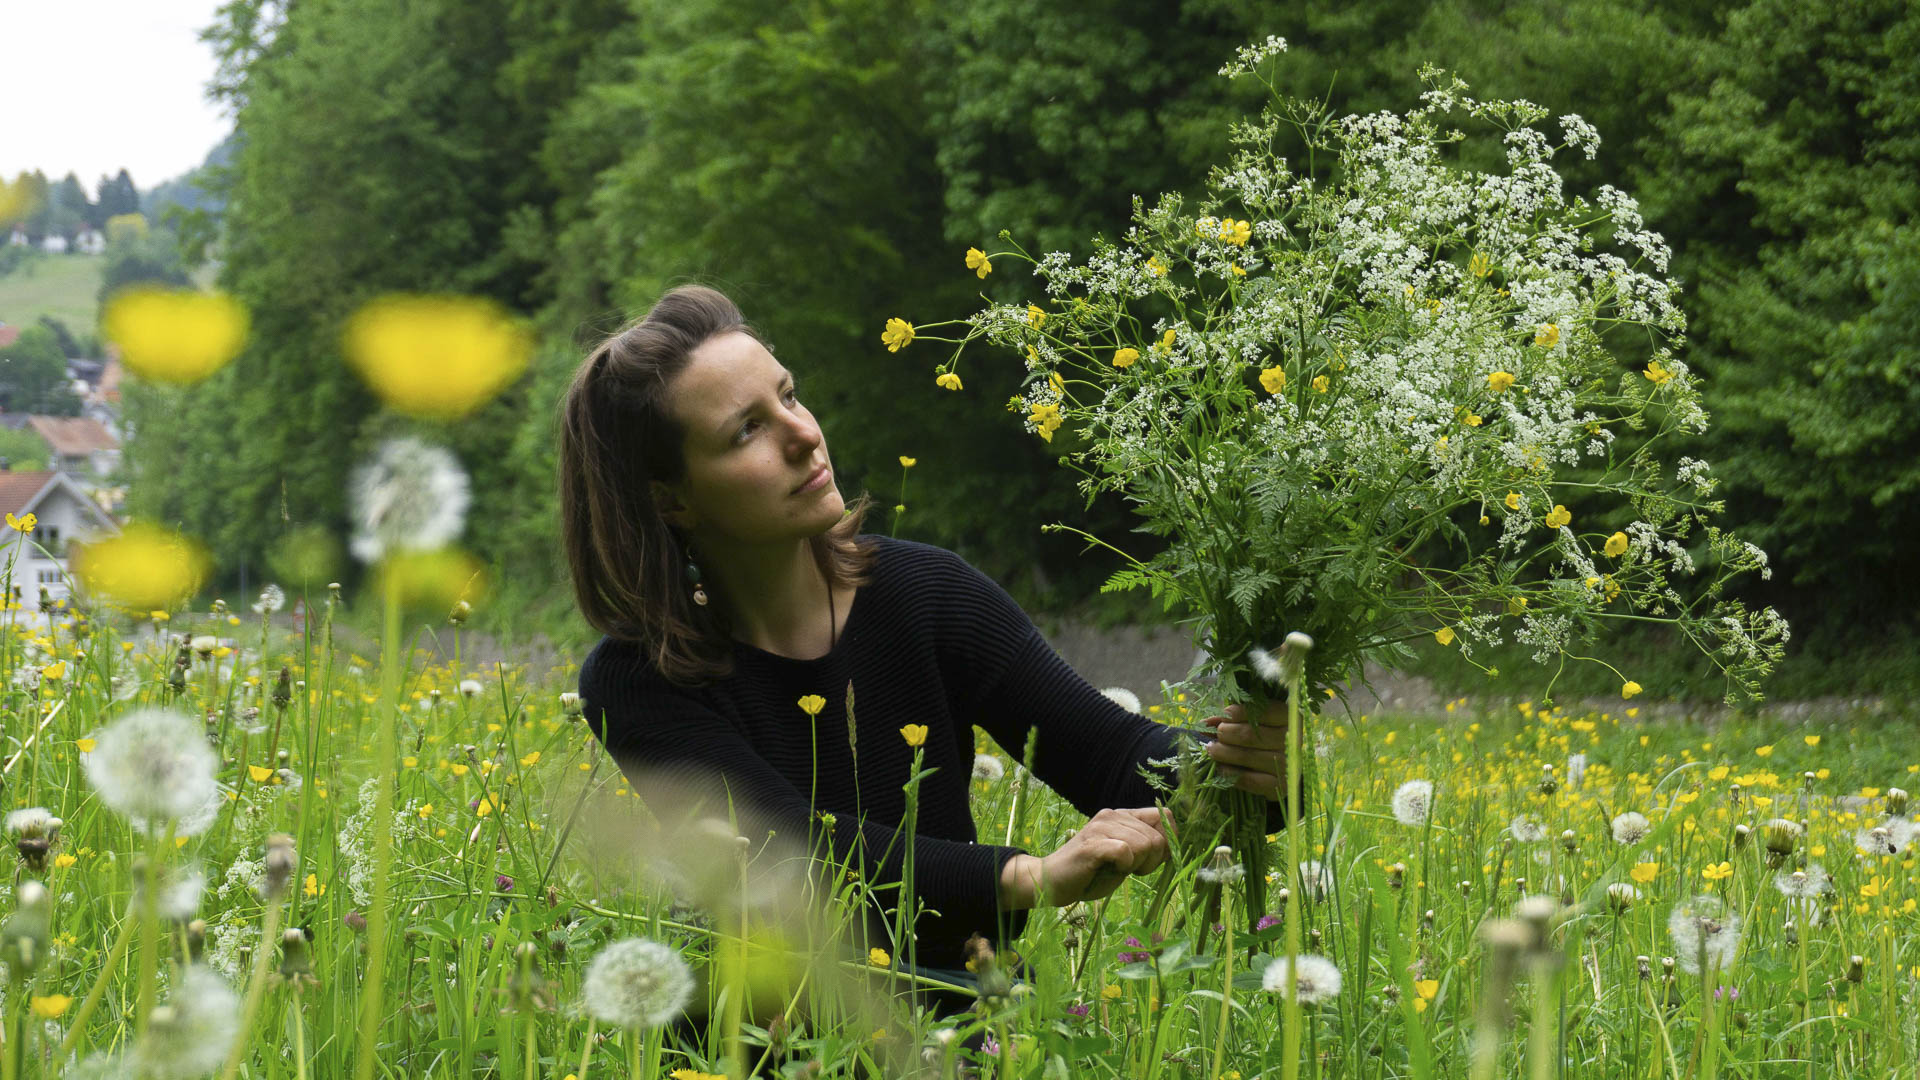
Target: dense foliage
829, 164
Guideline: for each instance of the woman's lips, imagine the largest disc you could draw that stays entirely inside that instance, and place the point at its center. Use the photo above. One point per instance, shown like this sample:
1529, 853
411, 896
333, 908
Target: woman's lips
815, 482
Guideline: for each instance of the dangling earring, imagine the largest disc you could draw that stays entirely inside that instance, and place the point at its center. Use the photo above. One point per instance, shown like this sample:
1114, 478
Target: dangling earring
693, 575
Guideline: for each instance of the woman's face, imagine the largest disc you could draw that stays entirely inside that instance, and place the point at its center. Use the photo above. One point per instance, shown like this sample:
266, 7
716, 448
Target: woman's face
750, 446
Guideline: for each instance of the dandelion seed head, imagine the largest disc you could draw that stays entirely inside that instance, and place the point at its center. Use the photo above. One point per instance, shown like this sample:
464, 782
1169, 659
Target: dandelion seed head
33, 822
272, 599
1630, 827
1705, 933
154, 765
191, 1034
1808, 884
1413, 802
988, 768
1316, 880
1222, 870
1526, 830
410, 495
636, 983
1315, 978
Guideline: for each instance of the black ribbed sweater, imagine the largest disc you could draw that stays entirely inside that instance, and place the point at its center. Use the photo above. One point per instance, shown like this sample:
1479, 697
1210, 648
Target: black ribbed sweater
929, 640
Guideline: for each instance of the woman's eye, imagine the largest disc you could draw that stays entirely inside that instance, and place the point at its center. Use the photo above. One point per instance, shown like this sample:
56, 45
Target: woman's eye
793, 393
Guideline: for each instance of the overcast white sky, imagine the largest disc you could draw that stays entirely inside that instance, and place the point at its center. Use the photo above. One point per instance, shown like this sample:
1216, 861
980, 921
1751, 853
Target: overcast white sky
94, 86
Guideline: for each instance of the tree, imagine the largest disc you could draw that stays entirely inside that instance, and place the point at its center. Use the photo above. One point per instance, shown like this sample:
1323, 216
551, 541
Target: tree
33, 375
117, 196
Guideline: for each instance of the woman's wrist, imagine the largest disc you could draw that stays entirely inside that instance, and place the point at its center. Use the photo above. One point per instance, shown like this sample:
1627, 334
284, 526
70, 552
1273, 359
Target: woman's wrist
1017, 881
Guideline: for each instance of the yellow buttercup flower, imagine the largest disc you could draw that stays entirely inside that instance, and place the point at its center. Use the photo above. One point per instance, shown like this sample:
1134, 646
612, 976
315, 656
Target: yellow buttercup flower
1547, 336
85, 746
1274, 379
1811, 740
1644, 872
898, 335
1444, 635
907, 462
312, 886
1656, 374
1512, 500
1320, 384
1719, 872
259, 773
1499, 381
146, 566
1616, 545
977, 262
948, 381
1558, 516
63, 860
915, 734
56, 670
49, 1007
22, 524
1629, 688
1046, 420
1166, 339
1156, 267
1035, 316
1764, 751
1472, 420
812, 704
1124, 358
175, 335
1479, 265
437, 357
1236, 233
878, 957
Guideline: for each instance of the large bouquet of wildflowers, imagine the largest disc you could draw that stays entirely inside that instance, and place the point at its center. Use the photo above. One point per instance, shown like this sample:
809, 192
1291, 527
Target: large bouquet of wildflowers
1417, 399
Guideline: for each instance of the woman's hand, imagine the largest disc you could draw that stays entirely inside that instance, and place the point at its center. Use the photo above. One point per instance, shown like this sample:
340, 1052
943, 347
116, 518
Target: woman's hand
1091, 864
1254, 755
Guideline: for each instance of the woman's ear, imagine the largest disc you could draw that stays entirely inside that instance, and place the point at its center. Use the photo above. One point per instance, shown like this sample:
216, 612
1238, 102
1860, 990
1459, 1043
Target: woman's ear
668, 502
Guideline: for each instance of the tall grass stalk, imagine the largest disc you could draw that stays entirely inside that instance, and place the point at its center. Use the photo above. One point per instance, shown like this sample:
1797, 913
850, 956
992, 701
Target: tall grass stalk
379, 918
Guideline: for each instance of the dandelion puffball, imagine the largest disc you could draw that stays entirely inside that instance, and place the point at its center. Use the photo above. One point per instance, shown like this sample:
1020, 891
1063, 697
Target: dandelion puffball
637, 983
1630, 827
1315, 978
154, 765
1526, 830
190, 1035
1705, 934
410, 495
1413, 802
988, 768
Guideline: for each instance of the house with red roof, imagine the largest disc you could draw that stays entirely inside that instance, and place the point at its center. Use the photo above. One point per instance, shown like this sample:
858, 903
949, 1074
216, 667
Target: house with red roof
63, 513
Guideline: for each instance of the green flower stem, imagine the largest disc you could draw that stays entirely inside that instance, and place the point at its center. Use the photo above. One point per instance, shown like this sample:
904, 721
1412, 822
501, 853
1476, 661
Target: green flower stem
379, 918
1226, 981
108, 967
256, 987
586, 1051
1289, 1000
150, 931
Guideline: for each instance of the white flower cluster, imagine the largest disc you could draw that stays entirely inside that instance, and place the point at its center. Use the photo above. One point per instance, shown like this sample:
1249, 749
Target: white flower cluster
1342, 374
1248, 57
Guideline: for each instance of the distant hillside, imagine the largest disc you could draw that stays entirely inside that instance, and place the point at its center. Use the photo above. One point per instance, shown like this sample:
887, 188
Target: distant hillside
66, 287
185, 190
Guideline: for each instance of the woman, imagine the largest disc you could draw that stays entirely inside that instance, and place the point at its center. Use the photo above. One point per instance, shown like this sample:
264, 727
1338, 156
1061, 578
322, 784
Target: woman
710, 543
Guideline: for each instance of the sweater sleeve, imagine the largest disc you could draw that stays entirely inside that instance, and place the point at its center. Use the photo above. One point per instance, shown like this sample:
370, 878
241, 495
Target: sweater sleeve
1088, 748
656, 732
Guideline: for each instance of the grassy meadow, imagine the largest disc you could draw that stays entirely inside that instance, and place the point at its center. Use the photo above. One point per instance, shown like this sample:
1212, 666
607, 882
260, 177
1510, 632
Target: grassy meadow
513, 842
64, 287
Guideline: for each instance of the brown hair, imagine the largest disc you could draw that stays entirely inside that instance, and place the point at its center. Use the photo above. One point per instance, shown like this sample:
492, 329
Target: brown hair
616, 435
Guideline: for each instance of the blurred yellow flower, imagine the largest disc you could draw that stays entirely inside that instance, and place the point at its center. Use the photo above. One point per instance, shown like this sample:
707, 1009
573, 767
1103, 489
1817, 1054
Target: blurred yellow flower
530, 760
1547, 336
1035, 316
146, 566
1657, 375
174, 335
1479, 265
1719, 872
259, 773
16, 200
1558, 516
977, 262
948, 381
1110, 991
1472, 420
1644, 872
1629, 688
434, 580
1499, 381
1444, 635
63, 860
915, 734
312, 886
85, 745
1513, 500
878, 957
1811, 740
898, 335
1046, 420
22, 524
56, 670
1616, 545
1764, 751
1274, 379
49, 1007
438, 357
1124, 358
1320, 384
907, 462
